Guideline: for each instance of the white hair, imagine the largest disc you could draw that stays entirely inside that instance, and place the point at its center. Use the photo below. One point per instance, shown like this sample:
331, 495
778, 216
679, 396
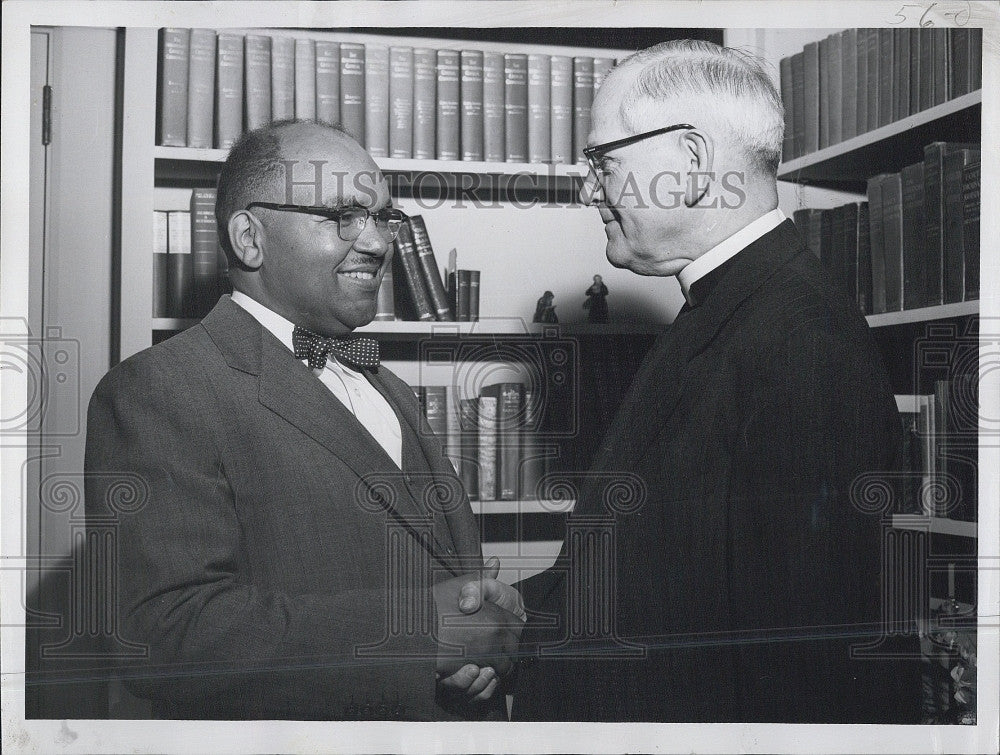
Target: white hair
734, 86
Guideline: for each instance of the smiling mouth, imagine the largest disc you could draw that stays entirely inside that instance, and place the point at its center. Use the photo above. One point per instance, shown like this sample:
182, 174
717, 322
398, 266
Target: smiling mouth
360, 275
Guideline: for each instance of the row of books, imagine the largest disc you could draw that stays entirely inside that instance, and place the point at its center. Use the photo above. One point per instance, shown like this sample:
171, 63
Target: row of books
399, 101
915, 242
491, 440
857, 80
940, 450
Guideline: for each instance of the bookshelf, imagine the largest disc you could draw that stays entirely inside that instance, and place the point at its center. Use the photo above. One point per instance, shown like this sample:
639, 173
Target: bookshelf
923, 314
936, 525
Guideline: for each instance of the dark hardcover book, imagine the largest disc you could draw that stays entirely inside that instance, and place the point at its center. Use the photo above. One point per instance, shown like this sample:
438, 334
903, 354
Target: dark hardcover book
914, 104
327, 81
954, 254
960, 73
602, 67
494, 116
836, 259
811, 89
486, 415
460, 299
901, 70
892, 229
909, 484
257, 73
352, 89
976, 60
204, 256
849, 83
448, 93
876, 243
179, 267
516, 107
282, 78
409, 261
874, 77
787, 101
433, 400
562, 109
849, 255
942, 65
916, 265
160, 250
583, 97
468, 417
532, 457
809, 221
429, 266
798, 104
509, 398
472, 126
886, 76
474, 276
228, 90
970, 228
385, 301
424, 103
539, 109
453, 428
964, 428
201, 89
861, 82
836, 83
305, 79
824, 91
377, 100
942, 422
864, 261
175, 45
934, 155
401, 102
925, 68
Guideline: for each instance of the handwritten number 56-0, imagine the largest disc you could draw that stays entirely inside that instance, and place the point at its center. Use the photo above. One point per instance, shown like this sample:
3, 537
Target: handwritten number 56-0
961, 17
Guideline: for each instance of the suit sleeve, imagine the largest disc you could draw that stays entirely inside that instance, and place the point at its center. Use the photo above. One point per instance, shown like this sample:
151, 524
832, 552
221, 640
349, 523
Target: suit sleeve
218, 645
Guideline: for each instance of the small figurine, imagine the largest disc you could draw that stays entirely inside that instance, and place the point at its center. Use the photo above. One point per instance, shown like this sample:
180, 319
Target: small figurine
545, 310
596, 306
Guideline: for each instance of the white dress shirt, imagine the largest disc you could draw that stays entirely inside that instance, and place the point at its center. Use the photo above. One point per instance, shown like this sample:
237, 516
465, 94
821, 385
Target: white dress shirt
728, 249
350, 387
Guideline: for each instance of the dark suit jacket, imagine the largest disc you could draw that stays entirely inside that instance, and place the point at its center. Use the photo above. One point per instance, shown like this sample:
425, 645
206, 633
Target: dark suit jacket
258, 559
748, 572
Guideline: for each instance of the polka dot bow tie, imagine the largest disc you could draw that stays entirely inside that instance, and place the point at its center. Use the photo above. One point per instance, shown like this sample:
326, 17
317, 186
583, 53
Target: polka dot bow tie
356, 352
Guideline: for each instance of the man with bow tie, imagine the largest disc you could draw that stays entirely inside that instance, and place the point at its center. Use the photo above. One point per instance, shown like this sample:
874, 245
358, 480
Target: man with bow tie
299, 539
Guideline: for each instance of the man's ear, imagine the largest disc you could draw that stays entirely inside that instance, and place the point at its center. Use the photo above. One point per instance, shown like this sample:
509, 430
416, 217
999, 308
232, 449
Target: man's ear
246, 235
700, 155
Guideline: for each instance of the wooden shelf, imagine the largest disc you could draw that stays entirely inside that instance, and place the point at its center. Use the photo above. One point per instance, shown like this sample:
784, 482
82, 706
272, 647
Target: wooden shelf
935, 524
888, 149
925, 314
522, 507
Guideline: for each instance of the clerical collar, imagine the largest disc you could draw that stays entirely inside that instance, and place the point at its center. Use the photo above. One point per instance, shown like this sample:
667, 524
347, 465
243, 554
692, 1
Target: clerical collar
726, 250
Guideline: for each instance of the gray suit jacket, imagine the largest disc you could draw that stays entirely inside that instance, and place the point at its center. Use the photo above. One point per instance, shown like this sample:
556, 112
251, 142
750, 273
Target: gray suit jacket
258, 563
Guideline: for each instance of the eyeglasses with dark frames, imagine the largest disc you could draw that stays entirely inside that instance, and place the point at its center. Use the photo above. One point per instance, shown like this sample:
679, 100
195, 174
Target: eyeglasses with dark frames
351, 221
598, 151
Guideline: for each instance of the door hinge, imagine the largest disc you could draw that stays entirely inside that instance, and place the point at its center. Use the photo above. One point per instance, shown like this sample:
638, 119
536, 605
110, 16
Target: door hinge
46, 115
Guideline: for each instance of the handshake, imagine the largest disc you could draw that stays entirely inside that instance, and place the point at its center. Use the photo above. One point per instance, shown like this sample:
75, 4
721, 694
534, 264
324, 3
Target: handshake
479, 628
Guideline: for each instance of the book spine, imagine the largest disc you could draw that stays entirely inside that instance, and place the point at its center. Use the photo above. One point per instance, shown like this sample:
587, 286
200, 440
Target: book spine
516, 107
305, 79
472, 126
509, 398
539, 109
561, 93
915, 40
175, 45
377, 100
201, 89
161, 248
886, 76
434, 410
836, 83
401, 102
798, 104
824, 92
602, 67
864, 261
532, 458
464, 279
970, 228
352, 89
453, 428
487, 419
874, 78
424, 103
814, 231
901, 69
204, 245
915, 262
942, 56
925, 71
976, 60
410, 262
282, 78
385, 300
448, 116
934, 155
959, 75
787, 100
468, 418
862, 82
583, 98
327, 81
849, 88
876, 243
494, 116
257, 60
429, 266
229, 90
474, 295
812, 95
954, 253
892, 229
838, 246
179, 268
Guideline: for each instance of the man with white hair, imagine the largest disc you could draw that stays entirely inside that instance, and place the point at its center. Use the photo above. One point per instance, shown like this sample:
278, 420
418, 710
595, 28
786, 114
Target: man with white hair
745, 573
